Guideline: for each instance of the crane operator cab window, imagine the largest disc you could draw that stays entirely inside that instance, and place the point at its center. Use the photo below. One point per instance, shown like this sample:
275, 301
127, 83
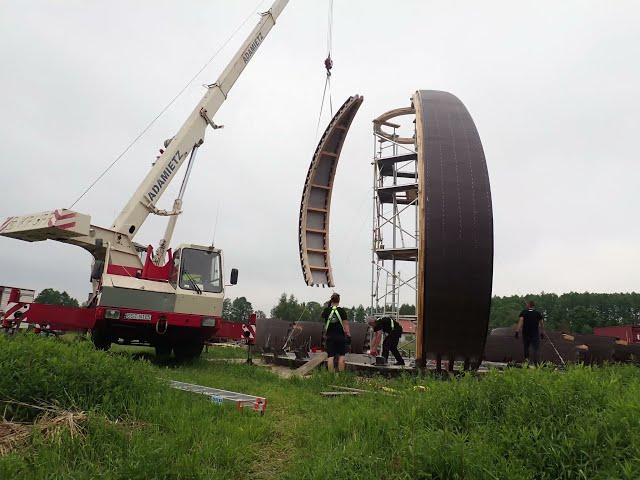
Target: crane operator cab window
200, 270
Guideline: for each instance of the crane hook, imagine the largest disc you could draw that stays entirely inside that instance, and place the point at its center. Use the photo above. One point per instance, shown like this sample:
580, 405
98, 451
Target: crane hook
328, 64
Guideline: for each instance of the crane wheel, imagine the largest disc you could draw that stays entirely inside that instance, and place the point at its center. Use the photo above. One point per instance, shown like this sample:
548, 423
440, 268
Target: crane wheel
188, 350
163, 348
101, 338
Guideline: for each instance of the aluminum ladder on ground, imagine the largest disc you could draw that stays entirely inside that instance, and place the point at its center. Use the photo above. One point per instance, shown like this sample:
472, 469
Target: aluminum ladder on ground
218, 396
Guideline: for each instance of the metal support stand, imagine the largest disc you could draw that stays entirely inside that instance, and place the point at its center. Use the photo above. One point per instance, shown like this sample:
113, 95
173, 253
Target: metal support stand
246, 334
249, 359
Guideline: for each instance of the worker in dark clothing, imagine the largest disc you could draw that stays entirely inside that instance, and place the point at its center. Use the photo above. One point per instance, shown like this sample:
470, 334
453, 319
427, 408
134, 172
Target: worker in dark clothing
393, 331
531, 326
337, 333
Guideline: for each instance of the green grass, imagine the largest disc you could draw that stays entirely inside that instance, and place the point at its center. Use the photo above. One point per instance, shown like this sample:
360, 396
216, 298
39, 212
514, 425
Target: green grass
227, 351
521, 424
215, 352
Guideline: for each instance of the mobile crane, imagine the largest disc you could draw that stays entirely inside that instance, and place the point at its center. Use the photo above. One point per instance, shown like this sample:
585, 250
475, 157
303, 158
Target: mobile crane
169, 299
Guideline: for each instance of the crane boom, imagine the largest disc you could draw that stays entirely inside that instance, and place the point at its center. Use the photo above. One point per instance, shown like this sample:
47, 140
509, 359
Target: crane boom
191, 133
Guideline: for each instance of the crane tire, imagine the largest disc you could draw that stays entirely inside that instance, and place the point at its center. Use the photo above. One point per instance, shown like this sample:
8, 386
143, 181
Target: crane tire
101, 338
188, 350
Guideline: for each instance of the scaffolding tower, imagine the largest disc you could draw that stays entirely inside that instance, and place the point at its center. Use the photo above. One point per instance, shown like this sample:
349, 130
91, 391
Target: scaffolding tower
395, 233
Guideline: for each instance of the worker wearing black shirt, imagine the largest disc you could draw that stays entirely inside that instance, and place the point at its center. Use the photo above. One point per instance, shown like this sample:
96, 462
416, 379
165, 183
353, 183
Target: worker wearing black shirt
531, 325
337, 333
393, 331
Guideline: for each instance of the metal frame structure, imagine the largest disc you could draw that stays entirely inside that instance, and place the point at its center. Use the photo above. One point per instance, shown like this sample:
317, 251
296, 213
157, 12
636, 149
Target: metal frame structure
219, 396
395, 233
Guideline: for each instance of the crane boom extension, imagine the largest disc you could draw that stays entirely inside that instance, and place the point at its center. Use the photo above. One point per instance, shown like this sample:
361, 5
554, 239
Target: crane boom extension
191, 134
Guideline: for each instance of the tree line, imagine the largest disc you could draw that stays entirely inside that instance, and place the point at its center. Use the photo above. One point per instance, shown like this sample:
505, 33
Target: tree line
570, 312
54, 297
290, 309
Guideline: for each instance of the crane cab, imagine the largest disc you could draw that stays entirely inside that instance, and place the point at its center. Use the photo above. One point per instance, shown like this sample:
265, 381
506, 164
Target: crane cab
197, 277
192, 282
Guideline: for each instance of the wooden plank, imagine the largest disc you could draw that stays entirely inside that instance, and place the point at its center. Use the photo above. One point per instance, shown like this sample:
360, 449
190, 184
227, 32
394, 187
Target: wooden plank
331, 154
421, 359
335, 394
349, 389
313, 267
317, 250
314, 209
323, 187
310, 365
315, 230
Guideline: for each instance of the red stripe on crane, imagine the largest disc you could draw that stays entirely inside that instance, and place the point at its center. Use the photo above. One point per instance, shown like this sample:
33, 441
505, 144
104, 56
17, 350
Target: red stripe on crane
60, 216
66, 226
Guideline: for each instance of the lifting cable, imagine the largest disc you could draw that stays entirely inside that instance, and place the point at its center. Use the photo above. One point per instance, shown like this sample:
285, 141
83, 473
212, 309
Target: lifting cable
328, 65
171, 102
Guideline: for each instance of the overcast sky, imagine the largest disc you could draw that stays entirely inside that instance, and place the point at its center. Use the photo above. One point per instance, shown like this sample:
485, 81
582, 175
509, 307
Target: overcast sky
552, 86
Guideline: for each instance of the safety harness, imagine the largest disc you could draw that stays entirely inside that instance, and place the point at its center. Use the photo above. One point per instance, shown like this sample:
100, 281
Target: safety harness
331, 318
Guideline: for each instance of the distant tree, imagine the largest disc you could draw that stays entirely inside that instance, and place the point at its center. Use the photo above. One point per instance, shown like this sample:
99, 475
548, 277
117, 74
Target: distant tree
360, 314
406, 309
287, 309
582, 319
312, 312
280, 307
54, 297
575, 312
241, 308
505, 310
226, 309
369, 311
260, 314
291, 310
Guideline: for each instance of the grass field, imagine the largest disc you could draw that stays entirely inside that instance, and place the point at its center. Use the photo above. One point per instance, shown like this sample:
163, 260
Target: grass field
522, 424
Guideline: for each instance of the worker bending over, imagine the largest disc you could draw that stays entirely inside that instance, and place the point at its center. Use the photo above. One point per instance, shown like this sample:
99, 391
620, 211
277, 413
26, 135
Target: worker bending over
393, 331
531, 326
336, 331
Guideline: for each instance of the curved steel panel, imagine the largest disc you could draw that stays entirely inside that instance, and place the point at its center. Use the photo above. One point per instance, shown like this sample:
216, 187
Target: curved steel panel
601, 349
274, 335
305, 335
627, 353
502, 346
271, 334
359, 337
313, 225
455, 255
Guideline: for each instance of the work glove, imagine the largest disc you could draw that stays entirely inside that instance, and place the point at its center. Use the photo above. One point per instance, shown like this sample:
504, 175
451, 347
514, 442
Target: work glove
517, 334
373, 353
